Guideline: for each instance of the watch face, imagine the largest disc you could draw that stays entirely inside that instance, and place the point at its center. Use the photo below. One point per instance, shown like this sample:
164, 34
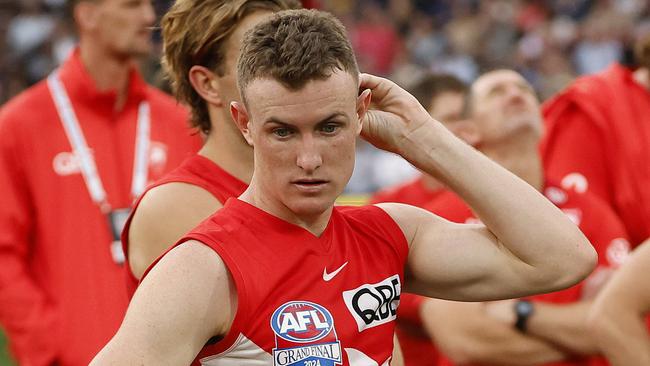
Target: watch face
524, 307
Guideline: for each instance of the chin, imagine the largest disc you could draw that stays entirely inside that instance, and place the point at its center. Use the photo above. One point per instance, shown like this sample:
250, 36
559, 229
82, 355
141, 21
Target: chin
140, 50
311, 206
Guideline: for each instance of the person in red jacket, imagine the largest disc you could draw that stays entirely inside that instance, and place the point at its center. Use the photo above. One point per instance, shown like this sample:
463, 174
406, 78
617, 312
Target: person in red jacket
75, 151
547, 329
598, 139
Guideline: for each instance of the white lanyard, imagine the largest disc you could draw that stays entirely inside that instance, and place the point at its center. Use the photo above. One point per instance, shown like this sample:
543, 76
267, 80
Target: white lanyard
82, 151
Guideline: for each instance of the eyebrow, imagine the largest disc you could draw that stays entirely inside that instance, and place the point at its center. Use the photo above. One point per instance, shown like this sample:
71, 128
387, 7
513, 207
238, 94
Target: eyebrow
279, 121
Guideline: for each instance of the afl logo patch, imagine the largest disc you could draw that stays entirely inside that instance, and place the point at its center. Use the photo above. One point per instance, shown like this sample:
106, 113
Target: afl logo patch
304, 335
302, 321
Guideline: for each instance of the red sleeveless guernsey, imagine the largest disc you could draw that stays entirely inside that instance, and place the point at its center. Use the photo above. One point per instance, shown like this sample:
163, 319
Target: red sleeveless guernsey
307, 300
196, 170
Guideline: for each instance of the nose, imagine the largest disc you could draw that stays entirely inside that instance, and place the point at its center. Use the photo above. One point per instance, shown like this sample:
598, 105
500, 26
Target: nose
309, 157
148, 13
515, 94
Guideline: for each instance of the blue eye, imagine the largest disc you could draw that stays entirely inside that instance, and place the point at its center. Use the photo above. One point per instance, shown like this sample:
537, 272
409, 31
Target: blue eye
330, 128
281, 132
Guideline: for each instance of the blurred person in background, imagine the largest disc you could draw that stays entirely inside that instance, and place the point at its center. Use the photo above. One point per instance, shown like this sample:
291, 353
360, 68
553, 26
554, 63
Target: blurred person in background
547, 329
617, 317
598, 139
75, 151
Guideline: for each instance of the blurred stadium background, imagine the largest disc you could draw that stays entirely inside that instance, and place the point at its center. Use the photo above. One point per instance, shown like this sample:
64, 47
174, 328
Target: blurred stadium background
549, 41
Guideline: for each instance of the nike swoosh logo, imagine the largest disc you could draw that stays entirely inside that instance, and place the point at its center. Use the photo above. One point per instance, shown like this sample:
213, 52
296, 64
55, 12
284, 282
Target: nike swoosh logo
328, 276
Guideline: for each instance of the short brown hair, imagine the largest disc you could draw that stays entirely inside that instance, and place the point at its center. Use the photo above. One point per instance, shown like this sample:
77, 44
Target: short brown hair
431, 86
195, 33
294, 47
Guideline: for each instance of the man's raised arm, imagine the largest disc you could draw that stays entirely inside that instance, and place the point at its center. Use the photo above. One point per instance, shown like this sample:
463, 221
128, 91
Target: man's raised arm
527, 245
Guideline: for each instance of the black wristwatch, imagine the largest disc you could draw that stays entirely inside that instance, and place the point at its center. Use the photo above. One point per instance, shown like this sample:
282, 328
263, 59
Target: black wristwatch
523, 309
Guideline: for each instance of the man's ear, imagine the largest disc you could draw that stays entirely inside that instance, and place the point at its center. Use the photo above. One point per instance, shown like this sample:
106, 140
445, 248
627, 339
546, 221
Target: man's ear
205, 82
363, 103
240, 116
86, 15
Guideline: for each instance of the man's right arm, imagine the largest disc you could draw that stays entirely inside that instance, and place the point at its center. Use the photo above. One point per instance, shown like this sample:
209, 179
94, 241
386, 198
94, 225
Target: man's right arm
617, 317
25, 313
163, 216
527, 246
187, 298
466, 335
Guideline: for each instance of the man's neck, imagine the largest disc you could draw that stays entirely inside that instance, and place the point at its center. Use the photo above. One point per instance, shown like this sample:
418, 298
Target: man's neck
256, 196
227, 148
107, 71
521, 157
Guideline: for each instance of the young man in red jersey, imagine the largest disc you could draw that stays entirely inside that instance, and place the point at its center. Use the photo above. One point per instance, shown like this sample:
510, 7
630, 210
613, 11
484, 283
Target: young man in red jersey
210, 32
540, 329
617, 317
598, 139
281, 276
75, 151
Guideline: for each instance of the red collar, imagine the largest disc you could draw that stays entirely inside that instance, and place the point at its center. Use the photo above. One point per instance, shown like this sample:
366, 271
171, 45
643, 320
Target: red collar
80, 85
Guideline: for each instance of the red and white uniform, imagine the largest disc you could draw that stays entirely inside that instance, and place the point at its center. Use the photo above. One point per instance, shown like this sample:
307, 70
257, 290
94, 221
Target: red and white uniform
596, 220
413, 192
307, 300
62, 295
196, 170
598, 139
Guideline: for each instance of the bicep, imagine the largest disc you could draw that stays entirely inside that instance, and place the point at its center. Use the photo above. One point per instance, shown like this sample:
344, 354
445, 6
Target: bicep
463, 262
186, 299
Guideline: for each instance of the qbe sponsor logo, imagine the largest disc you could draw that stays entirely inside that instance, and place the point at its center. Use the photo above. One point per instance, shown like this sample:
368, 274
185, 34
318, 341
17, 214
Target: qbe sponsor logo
304, 335
374, 304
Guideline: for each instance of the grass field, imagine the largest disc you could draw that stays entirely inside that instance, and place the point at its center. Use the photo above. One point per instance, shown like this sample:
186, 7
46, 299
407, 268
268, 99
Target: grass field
5, 360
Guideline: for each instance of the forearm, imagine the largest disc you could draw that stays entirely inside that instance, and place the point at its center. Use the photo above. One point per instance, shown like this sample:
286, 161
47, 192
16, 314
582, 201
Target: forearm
564, 325
466, 335
623, 339
518, 215
617, 317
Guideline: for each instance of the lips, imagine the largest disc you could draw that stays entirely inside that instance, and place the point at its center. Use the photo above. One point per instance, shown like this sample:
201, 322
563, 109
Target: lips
310, 185
309, 181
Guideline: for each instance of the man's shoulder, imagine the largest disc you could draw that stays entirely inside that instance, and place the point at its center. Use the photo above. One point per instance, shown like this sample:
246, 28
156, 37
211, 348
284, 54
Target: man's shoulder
162, 201
26, 107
